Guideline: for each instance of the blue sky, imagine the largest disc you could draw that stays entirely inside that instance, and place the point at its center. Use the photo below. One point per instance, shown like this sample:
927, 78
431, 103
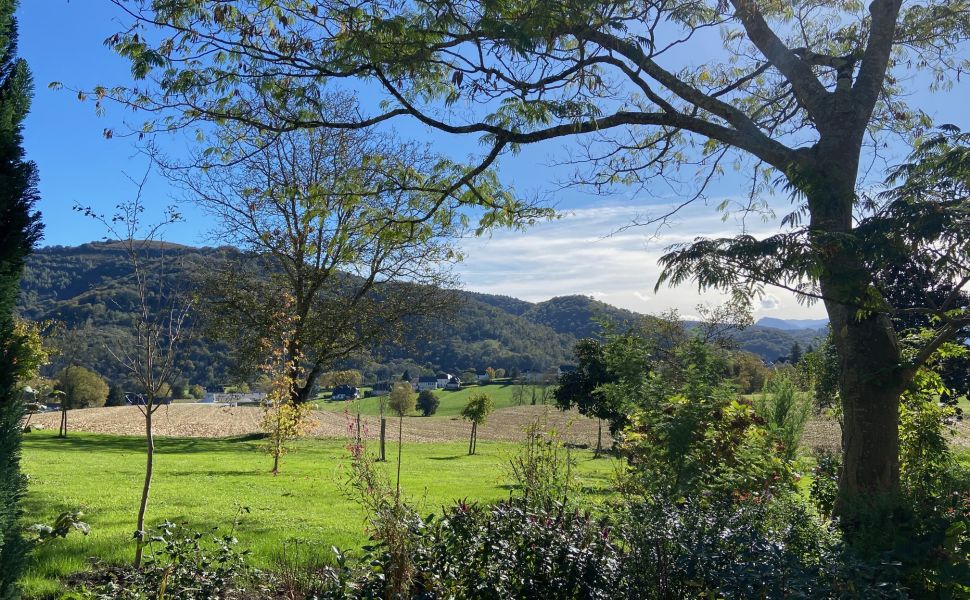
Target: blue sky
63, 41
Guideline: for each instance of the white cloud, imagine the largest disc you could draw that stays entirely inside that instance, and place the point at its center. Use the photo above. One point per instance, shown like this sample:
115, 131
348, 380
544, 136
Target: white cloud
769, 302
589, 249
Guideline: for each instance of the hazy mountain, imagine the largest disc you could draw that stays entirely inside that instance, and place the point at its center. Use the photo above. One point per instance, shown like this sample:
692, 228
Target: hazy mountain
792, 324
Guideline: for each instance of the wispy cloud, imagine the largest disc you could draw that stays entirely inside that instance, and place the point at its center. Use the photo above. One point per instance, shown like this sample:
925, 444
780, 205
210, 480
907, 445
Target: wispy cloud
590, 251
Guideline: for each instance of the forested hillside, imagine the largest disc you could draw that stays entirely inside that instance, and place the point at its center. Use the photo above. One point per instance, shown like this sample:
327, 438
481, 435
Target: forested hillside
88, 289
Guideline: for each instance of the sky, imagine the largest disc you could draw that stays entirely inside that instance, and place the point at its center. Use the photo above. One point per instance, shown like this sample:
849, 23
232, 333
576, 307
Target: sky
586, 251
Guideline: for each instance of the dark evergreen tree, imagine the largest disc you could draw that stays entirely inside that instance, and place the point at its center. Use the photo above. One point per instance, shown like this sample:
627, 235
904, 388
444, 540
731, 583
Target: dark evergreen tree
19, 230
795, 356
116, 396
428, 403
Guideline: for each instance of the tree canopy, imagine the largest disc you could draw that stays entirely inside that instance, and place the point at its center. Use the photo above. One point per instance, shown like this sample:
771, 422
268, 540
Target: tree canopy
82, 388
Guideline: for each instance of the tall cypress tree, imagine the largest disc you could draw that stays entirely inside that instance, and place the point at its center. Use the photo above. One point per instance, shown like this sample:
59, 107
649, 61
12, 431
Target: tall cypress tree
19, 230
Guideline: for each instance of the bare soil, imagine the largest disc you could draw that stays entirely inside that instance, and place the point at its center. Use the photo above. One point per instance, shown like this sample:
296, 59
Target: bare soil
506, 424
207, 420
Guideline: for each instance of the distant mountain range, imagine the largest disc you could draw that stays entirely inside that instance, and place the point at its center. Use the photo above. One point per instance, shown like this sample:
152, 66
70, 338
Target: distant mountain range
88, 288
792, 324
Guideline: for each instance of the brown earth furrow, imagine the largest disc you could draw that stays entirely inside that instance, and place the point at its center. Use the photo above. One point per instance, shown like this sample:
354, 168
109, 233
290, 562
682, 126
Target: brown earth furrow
201, 420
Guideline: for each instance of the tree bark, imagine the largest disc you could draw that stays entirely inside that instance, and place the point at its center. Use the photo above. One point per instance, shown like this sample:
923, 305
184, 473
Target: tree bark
872, 374
146, 490
871, 382
471, 440
302, 393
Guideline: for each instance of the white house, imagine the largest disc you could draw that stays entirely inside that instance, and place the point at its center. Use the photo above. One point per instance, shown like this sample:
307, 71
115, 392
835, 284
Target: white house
234, 398
429, 382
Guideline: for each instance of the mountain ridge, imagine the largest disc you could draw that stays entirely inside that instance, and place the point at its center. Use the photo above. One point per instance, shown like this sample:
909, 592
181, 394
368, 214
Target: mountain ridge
87, 288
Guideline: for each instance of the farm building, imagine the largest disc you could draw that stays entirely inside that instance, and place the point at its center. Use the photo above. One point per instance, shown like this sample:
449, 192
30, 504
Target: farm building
345, 392
428, 382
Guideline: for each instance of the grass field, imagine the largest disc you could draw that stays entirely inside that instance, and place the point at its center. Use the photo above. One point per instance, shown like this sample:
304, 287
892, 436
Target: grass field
203, 482
503, 394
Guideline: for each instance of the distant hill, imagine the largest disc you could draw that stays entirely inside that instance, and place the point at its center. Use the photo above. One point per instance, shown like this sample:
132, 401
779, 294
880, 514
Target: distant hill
792, 324
89, 289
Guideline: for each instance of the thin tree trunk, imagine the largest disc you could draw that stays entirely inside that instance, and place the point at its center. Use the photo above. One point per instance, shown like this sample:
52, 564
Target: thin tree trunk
62, 427
471, 441
277, 445
400, 444
599, 438
146, 490
383, 430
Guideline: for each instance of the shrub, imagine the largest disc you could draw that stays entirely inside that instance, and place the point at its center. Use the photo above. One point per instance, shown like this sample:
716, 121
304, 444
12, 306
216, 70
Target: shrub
785, 413
182, 564
542, 469
428, 403
515, 550
825, 482
302, 569
739, 550
508, 550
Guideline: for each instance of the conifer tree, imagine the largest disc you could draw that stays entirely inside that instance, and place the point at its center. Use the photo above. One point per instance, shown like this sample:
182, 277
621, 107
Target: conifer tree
19, 230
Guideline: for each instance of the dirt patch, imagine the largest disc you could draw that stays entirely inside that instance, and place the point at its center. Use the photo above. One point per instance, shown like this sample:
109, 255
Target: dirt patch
206, 420
506, 424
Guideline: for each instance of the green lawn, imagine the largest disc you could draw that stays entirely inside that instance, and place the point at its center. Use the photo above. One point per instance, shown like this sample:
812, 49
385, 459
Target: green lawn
451, 402
203, 482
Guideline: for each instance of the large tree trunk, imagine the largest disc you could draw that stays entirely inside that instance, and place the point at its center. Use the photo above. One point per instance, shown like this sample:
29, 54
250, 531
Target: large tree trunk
871, 383
302, 393
140, 533
872, 374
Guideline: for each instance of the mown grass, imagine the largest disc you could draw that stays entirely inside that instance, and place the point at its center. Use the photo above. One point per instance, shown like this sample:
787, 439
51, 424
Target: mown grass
204, 483
503, 394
